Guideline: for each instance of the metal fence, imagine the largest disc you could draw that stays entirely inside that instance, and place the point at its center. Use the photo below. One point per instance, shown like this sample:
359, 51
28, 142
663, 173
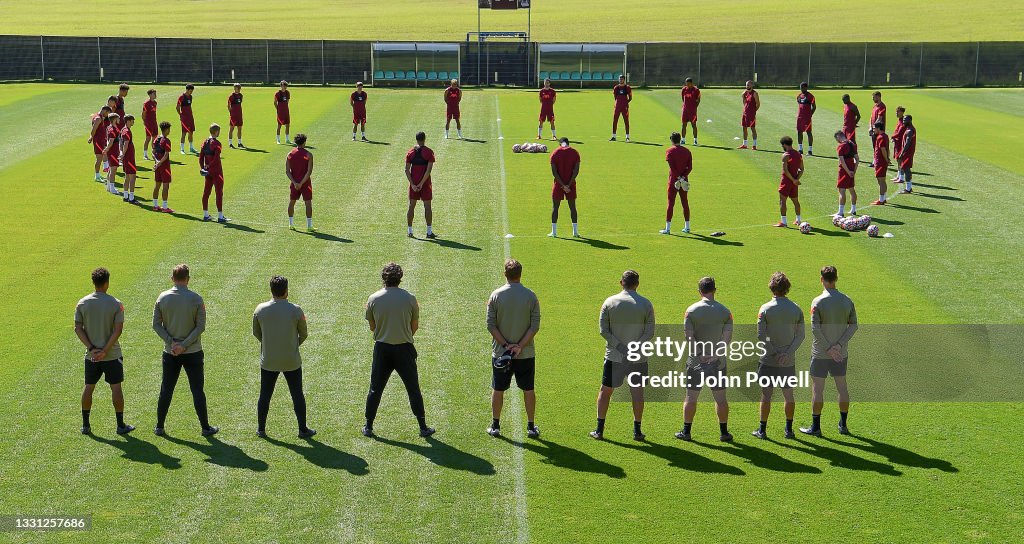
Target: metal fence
63, 58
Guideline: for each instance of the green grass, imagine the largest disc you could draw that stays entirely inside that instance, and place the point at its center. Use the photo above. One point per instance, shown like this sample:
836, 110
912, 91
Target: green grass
561, 20
937, 472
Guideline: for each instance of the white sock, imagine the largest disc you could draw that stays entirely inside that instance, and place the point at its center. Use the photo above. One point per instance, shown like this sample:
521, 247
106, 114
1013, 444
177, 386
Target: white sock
801, 148
686, 225
353, 135
430, 229
744, 142
278, 138
220, 214
445, 133
291, 221
459, 132
182, 147
575, 230
553, 133
810, 149
755, 142
842, 209
165, 204
554, 228
156, 203
909, 187
613, 135
239, 141
410, 230
798, 220
695, 141
668, 225
206, 213
783, 220
309, 222
538, 133
364, 133
627, 135
853, 209
881, 197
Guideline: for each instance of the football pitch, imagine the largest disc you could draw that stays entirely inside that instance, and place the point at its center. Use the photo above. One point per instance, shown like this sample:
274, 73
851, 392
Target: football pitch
932, 472
552, 20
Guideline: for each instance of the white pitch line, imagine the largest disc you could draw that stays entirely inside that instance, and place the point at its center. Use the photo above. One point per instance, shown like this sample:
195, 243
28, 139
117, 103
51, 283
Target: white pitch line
518, 463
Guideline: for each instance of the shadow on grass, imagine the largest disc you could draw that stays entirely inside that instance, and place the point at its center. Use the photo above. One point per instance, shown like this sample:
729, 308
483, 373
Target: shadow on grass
443, 455
761, 458
450, 244
716, 240
839, 458
913, 208
933, 186
881, 221
827, 232
473, 141
375, 142
326, 237
252, 150
566, 457
140, 451
680, 458
597, 244
896, 454
241, 227
636, 142
325, 456
940, 197
222, 454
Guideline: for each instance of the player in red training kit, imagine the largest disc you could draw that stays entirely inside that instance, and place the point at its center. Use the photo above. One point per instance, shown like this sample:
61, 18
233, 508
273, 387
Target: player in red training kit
298, 167
547, 97
211, 169
880, 162
878, 110
789, 185
851, 116
149, 121
805, 108
122, 93
905, 158
235, 115
623, 94
162, 167
284, 116
419, 164
565, 166
751, 103
691, 99
897, 141
112, 149
848, 161
188, 123
452, 97
680, 164
358, 102
98, 137
126, 157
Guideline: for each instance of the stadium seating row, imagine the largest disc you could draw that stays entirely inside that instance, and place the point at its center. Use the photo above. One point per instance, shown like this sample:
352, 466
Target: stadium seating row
579, 76
412, 75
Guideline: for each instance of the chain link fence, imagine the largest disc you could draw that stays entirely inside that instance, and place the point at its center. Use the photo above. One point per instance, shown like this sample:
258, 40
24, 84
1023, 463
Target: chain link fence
324, 62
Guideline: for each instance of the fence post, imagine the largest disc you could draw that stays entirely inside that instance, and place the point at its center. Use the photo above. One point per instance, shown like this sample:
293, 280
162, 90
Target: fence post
977, 62
323, 69
864, 82
211, 60
754, 73
156, 63
266, 78
699, 52
920, 68
810, 49
99, 58
42, 57
645, 63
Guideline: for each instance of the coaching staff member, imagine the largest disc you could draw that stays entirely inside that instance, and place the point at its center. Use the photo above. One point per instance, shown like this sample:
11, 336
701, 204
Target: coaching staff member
706, 322
99, 319
513, 319
833, 322
179, 318
280, 326
780, 325
625, 317
394, 315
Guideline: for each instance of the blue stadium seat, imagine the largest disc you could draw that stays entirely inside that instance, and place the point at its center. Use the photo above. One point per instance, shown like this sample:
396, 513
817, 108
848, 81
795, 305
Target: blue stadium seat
585, 76
609, 76
543, 75
379, 74
431, 76
443, 76
564, 76
575, 76
617, 74
454, 75
389, 75
421, 75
